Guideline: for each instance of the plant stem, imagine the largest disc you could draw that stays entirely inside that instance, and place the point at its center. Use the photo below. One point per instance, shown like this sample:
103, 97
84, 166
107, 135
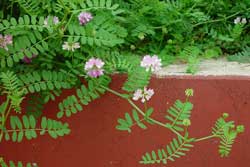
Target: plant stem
3, 117
7, 115
205, 138
115, 92
145, 106
141, 112
153, 120
218, 20
180, 112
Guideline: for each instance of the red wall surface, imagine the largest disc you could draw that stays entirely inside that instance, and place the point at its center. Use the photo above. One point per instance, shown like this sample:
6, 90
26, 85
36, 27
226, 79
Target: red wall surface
94, 141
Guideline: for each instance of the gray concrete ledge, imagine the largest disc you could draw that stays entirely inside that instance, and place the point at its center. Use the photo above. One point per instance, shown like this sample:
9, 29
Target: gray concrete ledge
219, 67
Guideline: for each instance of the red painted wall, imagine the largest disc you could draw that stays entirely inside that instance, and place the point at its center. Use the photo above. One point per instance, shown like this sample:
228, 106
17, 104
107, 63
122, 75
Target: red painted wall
94, 142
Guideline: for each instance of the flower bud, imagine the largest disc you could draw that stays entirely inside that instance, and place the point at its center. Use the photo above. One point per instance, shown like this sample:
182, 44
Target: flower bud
232, 126
189, 92
240, 128
164, 30
141, 36
225, 115
132, 47
186, 122
170, 41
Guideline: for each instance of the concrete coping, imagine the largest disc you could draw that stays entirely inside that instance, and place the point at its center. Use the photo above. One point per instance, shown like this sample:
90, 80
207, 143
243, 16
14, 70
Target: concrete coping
212, 68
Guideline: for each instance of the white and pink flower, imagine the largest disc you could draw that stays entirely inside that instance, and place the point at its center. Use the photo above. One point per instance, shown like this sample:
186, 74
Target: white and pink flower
55, 20
239, 20
152, 63
94, 67
71, 46
144, 94
84, 17
5, 40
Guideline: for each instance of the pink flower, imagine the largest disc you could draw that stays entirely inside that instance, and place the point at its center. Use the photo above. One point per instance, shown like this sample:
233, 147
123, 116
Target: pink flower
28, 60
151, 63
5, 40
144, 94
84, 17
94, 67
55, 20
8, 39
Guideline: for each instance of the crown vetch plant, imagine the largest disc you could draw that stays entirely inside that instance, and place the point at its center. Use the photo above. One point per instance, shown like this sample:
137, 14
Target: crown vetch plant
49, 46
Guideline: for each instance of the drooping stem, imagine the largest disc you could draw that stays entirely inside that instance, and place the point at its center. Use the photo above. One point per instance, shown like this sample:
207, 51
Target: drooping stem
153, 120
4, 117
140, 111
205, 138
145, 106
7, 115
115, 92
219, 20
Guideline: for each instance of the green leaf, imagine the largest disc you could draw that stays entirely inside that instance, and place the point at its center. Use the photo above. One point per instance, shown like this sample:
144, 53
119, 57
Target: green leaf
44, 123
108, 3
141, 125
20, 136
14, 136
135, 115
138, 78
177, 113
32, 121
128, 119
149, 112
26, 122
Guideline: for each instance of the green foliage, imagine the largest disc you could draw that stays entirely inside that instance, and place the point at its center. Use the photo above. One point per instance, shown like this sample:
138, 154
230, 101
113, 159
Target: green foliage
242, 56
28, 41
176, 149
29, 6
27, 128
18, 164
191, 54
120, 63
35, 106
84, 95
102, 32
37, 81
214, 52
48, 55
177, 113
12, 88
193, 65
100, 4
137, 79
129, 121
226, 131
24, 23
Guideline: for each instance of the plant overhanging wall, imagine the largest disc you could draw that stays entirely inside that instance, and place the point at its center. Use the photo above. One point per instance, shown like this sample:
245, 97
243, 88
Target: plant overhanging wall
48, 46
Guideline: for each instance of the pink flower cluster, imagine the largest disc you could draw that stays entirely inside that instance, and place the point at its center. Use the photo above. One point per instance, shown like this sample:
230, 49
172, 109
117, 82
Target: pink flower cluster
5, 40
94, 67
84, 17
28, 60
144, 94
55, 20
151, 63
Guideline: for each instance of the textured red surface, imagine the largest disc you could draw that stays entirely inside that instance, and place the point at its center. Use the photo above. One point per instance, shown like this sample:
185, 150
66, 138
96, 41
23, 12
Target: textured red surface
94, 142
